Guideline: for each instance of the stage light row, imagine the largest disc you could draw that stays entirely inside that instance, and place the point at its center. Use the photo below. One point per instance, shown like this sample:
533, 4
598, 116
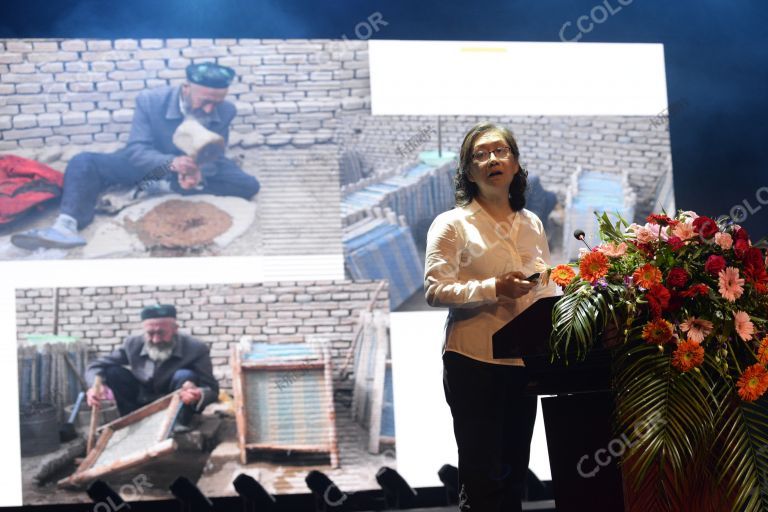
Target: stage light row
397, 494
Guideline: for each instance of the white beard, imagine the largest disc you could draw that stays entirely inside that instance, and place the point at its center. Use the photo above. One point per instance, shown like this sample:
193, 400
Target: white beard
159, 355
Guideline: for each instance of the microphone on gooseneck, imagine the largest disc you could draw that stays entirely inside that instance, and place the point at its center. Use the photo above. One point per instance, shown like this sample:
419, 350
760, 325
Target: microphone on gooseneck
579, 235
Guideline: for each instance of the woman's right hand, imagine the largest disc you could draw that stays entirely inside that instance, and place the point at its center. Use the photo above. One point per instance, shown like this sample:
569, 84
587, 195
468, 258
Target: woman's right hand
513, 285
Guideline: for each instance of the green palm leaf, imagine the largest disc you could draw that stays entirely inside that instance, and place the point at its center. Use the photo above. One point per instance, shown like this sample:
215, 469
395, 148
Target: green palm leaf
669, 416
579, 318
741, 448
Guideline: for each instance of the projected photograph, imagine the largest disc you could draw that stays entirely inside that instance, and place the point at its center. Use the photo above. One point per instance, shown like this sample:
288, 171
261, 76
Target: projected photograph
169, 147
397, 161
397, 175
274, 380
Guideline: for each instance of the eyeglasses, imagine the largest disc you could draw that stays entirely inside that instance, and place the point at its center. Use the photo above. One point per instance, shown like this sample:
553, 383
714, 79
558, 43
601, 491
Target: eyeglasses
501, 153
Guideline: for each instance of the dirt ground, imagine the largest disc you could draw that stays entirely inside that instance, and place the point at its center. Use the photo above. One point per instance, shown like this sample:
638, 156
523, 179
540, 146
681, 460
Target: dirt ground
215, 467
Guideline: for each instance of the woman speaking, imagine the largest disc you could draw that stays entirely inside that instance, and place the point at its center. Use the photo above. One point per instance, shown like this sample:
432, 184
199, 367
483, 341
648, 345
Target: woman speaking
481, 262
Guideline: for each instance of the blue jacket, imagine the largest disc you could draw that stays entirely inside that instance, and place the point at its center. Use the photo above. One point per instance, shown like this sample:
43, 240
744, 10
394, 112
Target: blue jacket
188, 353
155, 119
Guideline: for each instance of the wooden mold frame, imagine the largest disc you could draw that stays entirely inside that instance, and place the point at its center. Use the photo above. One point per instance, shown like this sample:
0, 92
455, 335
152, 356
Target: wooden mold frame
164, 444
372, 351
239, 367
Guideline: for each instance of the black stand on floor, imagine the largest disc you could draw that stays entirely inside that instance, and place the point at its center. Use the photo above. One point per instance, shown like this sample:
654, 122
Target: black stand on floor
583, 453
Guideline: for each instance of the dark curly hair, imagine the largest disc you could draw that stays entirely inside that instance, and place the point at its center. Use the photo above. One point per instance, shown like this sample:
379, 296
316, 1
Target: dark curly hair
465, 189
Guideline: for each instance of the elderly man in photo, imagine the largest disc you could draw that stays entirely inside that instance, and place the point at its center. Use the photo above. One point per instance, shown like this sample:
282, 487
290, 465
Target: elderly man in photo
151, 157
153, 364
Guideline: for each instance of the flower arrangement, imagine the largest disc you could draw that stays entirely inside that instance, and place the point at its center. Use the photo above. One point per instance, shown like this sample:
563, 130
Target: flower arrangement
689, 298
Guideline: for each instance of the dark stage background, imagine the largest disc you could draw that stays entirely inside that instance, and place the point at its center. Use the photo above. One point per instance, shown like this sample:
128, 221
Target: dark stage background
716, 61
716, 56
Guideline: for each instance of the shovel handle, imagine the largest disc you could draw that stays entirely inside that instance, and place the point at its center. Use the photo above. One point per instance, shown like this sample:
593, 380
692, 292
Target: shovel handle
95, 413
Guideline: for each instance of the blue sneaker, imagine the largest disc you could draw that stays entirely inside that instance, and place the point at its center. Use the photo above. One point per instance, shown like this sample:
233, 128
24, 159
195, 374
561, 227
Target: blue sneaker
48, 238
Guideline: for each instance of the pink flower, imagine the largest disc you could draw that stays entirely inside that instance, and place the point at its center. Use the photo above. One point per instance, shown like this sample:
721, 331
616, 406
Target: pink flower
730, 284
690, 214
684, 230
645, 235
744, 327
697, 328
612, 250
724, 240
658, 231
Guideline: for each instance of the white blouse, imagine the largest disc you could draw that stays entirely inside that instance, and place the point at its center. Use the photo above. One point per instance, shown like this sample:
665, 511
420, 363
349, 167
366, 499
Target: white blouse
466, 250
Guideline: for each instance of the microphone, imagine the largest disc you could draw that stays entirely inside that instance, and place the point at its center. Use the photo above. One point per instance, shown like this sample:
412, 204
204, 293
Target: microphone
579, 235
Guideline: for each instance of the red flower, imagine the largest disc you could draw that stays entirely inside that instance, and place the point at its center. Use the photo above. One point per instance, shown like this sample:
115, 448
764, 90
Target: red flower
593, 266
688, 355
740, 248
648, 249
562, 275
694, 290
646, 276
753, 262
675, 243
676, 301
658, 331
677, 277
753, 383
741, 234
661, 220
705, 226
658, 299
762, 351
714, 264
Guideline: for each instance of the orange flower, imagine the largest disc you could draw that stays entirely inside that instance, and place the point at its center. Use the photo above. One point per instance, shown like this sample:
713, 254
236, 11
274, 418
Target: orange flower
688, 355
646, 276
762, 351
562, 275
753, 383
593, 266
657, 331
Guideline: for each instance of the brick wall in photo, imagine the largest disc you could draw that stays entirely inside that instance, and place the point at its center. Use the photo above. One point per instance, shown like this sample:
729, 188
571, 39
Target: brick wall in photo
71, 91
216, 314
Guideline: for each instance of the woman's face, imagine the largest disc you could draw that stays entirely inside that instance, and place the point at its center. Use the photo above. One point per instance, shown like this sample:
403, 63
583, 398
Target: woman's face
493, 164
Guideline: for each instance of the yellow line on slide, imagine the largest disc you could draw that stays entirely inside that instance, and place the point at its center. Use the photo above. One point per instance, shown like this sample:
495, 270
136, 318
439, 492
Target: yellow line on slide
484, 50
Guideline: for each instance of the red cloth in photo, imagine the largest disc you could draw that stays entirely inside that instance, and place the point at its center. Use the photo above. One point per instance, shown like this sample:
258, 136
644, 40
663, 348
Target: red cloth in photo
25, 184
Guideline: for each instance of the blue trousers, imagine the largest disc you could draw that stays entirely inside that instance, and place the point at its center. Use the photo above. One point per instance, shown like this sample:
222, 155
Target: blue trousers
89, 174
130, 394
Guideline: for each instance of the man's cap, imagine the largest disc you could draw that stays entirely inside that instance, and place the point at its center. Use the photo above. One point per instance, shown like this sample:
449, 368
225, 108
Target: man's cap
210, 74
158, 311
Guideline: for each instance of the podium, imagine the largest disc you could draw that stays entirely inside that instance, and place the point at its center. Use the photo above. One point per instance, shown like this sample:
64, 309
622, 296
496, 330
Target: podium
577, 404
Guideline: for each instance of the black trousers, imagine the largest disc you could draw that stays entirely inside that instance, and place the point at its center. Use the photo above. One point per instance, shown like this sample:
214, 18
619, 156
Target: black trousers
130, 394
493, 423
